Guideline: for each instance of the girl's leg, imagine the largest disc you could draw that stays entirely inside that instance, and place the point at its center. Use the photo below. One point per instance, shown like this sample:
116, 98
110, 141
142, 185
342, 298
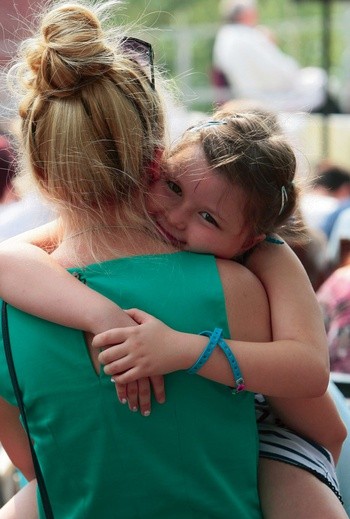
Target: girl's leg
22, 505
290, 492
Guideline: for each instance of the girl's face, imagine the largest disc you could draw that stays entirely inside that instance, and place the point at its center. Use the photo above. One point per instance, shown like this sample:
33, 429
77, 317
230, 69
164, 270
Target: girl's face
197, 209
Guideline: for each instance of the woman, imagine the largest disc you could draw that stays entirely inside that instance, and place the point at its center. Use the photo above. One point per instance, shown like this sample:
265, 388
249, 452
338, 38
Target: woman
92, 123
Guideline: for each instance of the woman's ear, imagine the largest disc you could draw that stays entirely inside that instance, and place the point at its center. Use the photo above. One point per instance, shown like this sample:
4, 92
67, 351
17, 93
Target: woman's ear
154, 166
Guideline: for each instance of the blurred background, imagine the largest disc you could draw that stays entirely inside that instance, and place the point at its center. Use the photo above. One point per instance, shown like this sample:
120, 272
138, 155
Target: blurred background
313, 32
187, 28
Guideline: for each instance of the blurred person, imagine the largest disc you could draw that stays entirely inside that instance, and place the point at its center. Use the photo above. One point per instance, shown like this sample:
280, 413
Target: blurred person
313, 256
343, 406
20, 209
255, 68
334, 298
329, 190
335, 179
24, 214
340, 234
7, 172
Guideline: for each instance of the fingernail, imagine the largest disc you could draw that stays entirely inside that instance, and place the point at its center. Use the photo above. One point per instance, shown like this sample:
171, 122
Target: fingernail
112, 380
146, 413
123, 400
134, 409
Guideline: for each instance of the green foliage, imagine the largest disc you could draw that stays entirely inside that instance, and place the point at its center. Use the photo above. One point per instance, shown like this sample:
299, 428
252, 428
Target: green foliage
175, 12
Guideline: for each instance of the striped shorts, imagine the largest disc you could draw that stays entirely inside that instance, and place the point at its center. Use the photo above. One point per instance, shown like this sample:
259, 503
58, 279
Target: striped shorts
281, 444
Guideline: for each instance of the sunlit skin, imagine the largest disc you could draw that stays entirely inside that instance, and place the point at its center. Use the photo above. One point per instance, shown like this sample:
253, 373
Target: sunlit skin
198, 209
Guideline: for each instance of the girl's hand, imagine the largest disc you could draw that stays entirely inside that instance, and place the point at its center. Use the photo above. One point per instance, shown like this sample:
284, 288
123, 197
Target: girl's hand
138, 394
135, 352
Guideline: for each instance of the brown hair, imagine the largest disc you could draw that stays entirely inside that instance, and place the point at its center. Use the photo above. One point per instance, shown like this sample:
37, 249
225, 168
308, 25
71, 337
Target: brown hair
250, 150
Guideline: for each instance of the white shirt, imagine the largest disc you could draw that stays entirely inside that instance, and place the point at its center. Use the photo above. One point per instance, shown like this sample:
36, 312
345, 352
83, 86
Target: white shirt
258, 70
315, 208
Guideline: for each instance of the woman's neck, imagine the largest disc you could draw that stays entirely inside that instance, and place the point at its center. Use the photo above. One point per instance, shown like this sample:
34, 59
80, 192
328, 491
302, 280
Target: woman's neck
104, 242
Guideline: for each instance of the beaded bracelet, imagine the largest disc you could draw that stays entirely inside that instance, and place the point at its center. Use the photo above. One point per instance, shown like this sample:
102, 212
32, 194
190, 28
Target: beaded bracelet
215, 338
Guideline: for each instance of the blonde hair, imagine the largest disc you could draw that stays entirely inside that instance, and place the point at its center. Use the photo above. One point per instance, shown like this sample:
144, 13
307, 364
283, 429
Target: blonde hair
91, 121
250, 150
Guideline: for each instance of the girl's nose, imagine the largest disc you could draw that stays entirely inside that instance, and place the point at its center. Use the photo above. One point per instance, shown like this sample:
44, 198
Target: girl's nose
177, 217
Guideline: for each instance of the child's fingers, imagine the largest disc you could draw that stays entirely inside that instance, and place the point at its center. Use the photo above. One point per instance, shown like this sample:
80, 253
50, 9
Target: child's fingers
157, 382
113, 353
132, 396
139, 315
121, 392
144, 389
110, 337
118, 366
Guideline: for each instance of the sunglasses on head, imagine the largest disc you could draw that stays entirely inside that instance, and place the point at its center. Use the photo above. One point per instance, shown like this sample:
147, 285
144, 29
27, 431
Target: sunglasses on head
141, 52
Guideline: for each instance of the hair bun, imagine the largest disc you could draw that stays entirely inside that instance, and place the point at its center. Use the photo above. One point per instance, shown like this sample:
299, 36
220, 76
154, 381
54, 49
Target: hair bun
70, 51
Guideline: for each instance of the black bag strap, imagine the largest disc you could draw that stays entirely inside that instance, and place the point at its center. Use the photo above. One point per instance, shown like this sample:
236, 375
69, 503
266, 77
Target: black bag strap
41, 483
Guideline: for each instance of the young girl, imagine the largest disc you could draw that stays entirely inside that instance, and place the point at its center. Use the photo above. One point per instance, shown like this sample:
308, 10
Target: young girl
226, 186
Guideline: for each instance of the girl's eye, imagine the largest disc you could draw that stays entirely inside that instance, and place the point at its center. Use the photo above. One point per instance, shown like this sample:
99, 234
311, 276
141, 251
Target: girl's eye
174, 187
208, 218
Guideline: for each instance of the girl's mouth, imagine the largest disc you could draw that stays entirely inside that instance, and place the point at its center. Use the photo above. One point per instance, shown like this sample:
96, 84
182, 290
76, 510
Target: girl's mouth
169, 238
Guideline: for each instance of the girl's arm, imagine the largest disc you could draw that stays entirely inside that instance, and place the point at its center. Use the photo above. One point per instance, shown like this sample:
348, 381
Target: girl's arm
58, 296
35, 283
295, 314
46, 236
270, 368
284, 368
289, 295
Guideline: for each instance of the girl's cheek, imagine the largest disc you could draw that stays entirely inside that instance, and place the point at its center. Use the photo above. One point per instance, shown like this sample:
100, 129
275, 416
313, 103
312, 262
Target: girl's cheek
156, 203
151, 204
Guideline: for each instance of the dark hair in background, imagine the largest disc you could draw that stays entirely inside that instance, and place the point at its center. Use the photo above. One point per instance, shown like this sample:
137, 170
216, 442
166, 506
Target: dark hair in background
331, 176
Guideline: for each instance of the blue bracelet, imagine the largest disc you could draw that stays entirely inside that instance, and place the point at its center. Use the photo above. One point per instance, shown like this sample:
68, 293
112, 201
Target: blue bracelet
272, 239
240, 384
213, 341
215, 338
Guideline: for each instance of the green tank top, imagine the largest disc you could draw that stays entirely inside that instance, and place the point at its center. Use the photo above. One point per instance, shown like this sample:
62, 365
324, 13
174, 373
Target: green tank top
194, 457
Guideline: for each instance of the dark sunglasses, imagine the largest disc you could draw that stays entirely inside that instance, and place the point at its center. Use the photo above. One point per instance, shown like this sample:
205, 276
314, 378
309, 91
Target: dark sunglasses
141, 52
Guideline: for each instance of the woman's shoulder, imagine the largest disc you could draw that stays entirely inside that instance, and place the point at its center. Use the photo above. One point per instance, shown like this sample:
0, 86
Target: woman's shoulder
246, 300
237, 276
